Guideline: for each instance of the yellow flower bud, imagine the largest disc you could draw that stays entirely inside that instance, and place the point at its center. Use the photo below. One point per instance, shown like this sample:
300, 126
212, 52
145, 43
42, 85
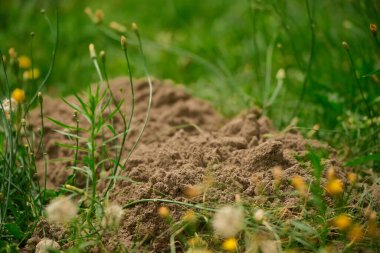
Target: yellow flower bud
123, 42
163, 212
91, 48
135, 28
117, 27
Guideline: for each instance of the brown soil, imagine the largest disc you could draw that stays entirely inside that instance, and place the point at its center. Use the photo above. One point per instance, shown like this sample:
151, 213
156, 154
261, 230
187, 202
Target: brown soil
186, 143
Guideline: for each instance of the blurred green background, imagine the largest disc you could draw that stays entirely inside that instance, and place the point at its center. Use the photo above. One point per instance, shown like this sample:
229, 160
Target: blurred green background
227, 52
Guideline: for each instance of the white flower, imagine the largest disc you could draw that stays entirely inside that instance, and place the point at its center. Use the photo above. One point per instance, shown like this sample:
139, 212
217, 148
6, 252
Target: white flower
228, 221
45, 244
61, 210
113, 214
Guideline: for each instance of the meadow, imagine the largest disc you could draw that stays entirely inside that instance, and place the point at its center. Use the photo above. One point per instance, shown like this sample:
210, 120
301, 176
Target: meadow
283, 156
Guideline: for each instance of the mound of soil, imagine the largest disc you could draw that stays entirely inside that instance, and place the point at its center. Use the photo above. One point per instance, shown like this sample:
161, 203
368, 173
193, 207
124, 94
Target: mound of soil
186, 144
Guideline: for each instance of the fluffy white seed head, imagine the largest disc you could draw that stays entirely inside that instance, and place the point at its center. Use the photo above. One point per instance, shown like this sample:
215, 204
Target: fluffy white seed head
259, 215
45, 244
7, 104
61, 210
113, 214
228, 221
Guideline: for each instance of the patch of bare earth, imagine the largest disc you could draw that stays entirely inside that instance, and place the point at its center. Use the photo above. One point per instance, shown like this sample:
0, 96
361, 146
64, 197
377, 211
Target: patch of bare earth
186, 142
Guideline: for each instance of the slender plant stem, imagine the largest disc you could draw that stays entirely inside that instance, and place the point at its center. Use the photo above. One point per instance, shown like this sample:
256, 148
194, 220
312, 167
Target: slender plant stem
256, 55
149, 101
309, 64
10, 142
132, 91
76, 139
125, 132
52, 62
353, 69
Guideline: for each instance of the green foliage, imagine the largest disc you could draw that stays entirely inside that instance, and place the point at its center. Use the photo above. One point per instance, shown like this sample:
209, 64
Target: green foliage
232, 61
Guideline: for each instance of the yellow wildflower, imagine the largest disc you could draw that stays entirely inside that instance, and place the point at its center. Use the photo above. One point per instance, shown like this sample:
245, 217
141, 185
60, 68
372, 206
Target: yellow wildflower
277, 172
163, 212
299, 184
352, 177
342, 221
24, 62
193, 191
372, 226
190, 217
356, 233
196, 242
334, 187
18, 95
230, 245
29, 74
199, 250
12, 53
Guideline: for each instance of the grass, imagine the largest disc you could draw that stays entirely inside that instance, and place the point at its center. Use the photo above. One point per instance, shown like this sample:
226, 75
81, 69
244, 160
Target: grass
317, 61
233, 60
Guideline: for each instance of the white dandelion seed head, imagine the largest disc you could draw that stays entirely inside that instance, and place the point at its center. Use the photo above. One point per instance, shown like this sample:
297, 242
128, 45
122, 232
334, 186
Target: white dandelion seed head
113, 214
45, 244
7, 104
61, 210
259, 215
228, 221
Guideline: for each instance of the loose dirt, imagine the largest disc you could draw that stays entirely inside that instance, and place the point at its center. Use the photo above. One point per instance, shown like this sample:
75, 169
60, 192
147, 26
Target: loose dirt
187, 146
